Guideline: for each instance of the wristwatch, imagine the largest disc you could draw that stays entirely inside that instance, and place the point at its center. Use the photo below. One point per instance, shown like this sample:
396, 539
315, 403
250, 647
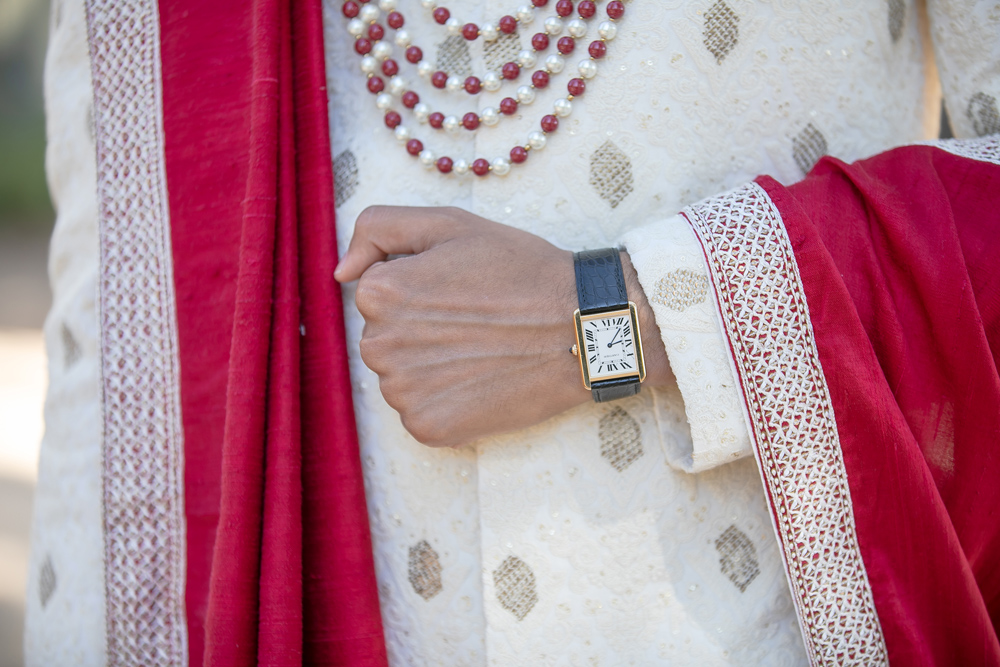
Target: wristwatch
608, 343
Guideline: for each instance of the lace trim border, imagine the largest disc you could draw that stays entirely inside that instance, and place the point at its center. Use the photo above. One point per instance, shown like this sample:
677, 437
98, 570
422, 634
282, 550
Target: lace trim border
983, 149
144, 528
790, 417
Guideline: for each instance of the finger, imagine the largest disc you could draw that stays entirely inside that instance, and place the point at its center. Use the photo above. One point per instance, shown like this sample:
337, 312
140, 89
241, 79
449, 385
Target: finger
381, 231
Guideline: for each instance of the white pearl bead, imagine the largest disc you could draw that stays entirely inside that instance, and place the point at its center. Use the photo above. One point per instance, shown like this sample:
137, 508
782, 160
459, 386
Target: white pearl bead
501, 166
402, 133
383, 101
355, 27
554, 64
421, 111
576, 28
427, 157
562, 107
526, 58
536, 140
454, 26
489, 32
489, 116
553, 25
403, 38
451, 123
387, 5
525, 94
460, 166
382, 50
369, 13
491, 82
525, 14
454, 84
425, 69
607, 30
397, 86
369, 65
428, 4
588, 69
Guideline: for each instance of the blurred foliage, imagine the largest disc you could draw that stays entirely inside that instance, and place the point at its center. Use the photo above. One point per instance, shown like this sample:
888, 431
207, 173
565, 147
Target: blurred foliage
24, 197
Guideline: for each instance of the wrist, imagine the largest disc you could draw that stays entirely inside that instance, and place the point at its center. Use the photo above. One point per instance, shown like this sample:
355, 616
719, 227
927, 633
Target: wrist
658, 372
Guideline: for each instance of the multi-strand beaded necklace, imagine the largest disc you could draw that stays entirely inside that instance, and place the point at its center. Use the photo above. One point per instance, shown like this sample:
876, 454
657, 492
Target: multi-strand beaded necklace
378, 65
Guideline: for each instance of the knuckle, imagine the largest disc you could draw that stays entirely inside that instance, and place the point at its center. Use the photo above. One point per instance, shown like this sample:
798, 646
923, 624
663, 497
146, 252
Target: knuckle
368, 218
425, 429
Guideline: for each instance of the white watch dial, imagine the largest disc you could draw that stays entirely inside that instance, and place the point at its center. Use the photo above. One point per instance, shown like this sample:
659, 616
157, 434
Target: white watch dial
609, 346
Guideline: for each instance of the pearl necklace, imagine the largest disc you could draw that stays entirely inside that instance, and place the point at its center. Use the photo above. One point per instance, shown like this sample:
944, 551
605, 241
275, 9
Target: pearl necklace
370, 45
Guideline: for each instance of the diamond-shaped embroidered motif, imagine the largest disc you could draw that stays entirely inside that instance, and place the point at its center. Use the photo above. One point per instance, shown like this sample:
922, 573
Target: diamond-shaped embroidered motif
983, 113
621, 439
737, 557
424, 570
501, 51
71, 349
808, 146
722, 30
515, 584
681, 289
46, 581
345, 177
611, 173
897, 12
453, 57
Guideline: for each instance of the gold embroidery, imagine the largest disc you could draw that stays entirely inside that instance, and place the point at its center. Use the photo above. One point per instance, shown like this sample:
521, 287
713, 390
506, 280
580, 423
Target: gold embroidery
808, 146
897, 13
737, 557
983, 113
515, 583
681, 289
621, 443
611, 173
424, 570
345, 177
453, 57
501, 51
46, 581
722, 30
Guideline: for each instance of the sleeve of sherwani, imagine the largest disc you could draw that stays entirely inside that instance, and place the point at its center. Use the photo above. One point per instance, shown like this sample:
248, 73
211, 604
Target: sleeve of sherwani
966, 40
673, 274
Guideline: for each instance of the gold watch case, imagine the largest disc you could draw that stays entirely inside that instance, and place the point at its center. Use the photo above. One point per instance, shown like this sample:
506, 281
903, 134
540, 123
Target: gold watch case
632, 313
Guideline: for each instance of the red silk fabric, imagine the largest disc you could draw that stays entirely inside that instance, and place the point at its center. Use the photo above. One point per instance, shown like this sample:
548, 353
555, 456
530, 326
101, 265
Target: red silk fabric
280, 567
898, 256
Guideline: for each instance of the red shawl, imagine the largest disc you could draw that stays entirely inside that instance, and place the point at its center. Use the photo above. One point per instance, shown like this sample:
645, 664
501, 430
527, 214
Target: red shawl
862, 308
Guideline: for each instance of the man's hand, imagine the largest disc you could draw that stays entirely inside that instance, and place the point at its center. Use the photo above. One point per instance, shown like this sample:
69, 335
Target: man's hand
470, 332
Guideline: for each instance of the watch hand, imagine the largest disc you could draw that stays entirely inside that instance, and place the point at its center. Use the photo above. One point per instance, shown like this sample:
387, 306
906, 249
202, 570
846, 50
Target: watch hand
613, 339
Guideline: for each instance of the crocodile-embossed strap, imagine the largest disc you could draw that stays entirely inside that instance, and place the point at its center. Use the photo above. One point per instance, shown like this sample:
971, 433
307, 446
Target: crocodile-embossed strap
612, 390
600, 281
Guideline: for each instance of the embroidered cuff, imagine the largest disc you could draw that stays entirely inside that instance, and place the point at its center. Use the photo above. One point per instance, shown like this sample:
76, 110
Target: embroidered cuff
672, 272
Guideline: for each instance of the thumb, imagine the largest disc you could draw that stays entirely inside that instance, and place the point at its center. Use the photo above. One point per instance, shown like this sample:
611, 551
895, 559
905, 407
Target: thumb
381, 231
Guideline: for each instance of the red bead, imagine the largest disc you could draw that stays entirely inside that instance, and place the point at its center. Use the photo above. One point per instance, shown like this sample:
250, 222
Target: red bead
444, 164
540, 79
576, 87
375, 84
566, 45
410, 99
473, 85
586, 9
395, 20
390, 67
480, 167
564, 8
597, 49
470, 121
539, 3
616, 9
376, 32
362, 46
550, 123
351, 9
540, 41
436, 120
392, 119
508, 106
441, 15
511, 71
414, 146
439, 79
518, 154
507, 24
414, 54
470, 31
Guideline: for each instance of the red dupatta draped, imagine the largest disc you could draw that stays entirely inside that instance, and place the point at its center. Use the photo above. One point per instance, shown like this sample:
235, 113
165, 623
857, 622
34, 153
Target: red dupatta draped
862, 307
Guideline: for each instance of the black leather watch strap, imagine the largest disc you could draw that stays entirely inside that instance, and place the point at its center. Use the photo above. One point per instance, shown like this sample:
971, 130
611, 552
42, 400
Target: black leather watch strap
600, 281
612, 390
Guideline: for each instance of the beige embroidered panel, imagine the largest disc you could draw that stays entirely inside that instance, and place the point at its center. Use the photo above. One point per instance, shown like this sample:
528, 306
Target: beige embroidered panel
766, 320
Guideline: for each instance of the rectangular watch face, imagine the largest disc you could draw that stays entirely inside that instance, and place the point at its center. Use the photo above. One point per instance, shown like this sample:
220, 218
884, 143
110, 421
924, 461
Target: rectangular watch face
609, 345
